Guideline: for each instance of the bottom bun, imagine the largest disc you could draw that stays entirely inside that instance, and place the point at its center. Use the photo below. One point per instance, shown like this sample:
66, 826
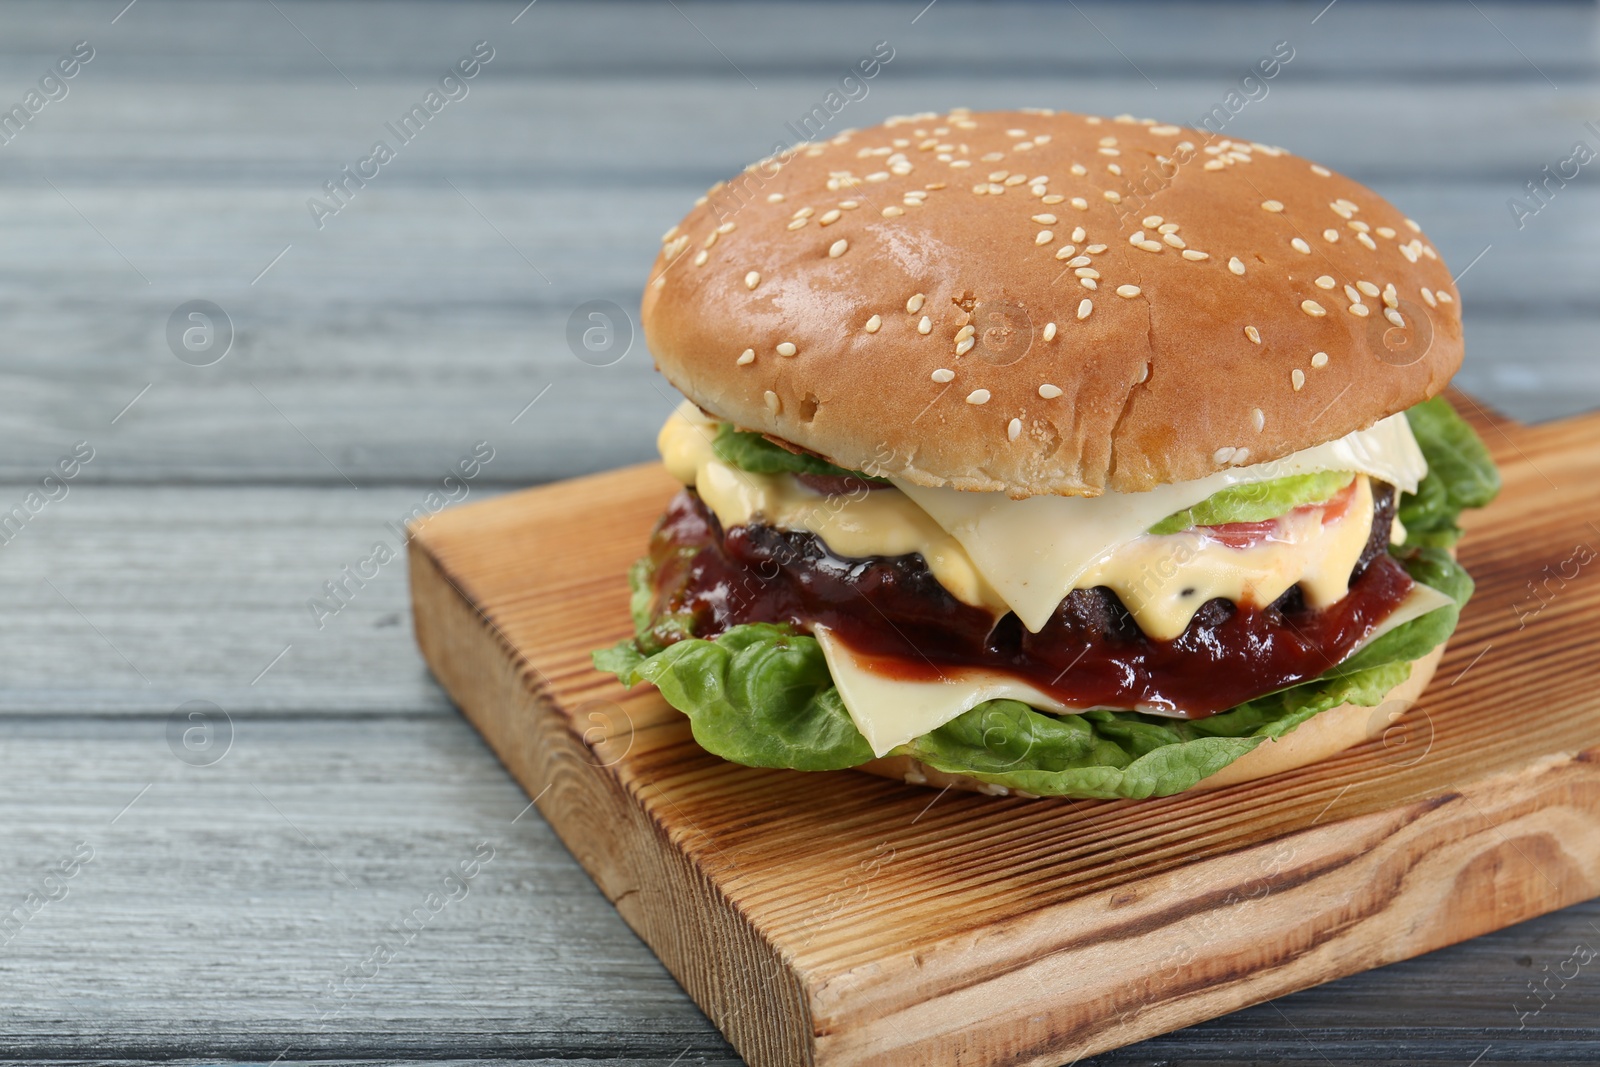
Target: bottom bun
1324, 735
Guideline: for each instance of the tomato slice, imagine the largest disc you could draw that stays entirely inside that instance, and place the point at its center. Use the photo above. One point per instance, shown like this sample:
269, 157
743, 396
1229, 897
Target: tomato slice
1250, 534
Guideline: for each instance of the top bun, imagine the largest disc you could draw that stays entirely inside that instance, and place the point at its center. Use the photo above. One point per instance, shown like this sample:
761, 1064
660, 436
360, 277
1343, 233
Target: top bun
1041, 302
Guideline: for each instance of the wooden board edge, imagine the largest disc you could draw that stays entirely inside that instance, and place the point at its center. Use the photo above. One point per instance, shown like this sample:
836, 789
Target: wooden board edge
755, 997
1339, 899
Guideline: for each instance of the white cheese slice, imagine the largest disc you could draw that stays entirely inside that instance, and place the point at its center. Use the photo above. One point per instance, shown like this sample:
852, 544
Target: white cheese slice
890, 711
1032, 552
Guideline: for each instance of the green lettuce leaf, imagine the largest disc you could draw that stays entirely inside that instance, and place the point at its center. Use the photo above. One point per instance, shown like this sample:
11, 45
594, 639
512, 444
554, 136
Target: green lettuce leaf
759, 694
1460, 475
1257, 502
754, 453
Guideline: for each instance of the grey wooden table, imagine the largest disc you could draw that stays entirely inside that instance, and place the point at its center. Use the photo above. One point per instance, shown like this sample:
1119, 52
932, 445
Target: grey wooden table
237, 891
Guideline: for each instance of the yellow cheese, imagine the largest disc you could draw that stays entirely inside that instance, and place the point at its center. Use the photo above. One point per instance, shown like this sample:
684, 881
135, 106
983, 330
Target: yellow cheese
1026, 555
1163, 580
856, 525
1034, 551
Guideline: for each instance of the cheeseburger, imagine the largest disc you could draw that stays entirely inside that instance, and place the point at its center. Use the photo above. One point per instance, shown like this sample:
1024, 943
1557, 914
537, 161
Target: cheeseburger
1050, 454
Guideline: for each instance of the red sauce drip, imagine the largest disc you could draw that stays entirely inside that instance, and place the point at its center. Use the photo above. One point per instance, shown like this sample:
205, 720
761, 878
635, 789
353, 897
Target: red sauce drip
1090, 653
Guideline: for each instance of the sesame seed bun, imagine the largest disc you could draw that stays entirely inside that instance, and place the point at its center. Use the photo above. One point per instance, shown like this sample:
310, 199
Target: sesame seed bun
915, 300
1323, 736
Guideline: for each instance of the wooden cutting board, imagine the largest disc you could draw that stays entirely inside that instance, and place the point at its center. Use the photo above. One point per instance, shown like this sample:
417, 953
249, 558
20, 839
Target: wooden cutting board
837, 919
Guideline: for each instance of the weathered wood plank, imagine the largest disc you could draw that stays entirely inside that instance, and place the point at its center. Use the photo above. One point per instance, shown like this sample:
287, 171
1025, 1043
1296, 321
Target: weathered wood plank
206, 926
134, 600
646, 40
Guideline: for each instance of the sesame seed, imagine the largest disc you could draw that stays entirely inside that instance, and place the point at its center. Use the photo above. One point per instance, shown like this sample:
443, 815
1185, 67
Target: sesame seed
838, 248
1013, 429
1259, 418
1253, 333
774, 198
1367, 287
1319, 169
1236, 266
1300, 246
752, 280
874, 323
1240, 455
1152, 220
914, 305
965, 332
1325, 282
1088, 283
747, 357
978, 396
878, 176
1427, 294
925, 326
943, 375
1065, 251
831, 215
786, 348
1174, 240
1168, 227
1094, 250
1043, 237
1360, 311
796, 224
1079, 233
1049, 331
803, 212
1194, 256
1084, 307
1144, 375
726, 227
1224, 455
1320, 359
1113, 196
1079, 170
1444, 297
1045, 220
1358, 226
1150, 246
1331, 236
773, 403
892, 211
1129, 291
1393, 316
1080, 203
1049, 392
1053, 198
1136, 237
1273, 206
999, 175
1353, 293
1366, 239
1087, 272
1390, 297
700, 257
1298, 379
1386, 232
1213, 164
963, 347
1312, 308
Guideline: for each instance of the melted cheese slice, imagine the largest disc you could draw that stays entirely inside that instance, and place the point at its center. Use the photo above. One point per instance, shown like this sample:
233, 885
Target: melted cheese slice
877, 522
890, 711
1164, 579
1035, 551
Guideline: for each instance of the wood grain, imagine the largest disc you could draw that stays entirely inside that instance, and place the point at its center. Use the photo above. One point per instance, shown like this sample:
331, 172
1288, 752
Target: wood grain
845, 920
